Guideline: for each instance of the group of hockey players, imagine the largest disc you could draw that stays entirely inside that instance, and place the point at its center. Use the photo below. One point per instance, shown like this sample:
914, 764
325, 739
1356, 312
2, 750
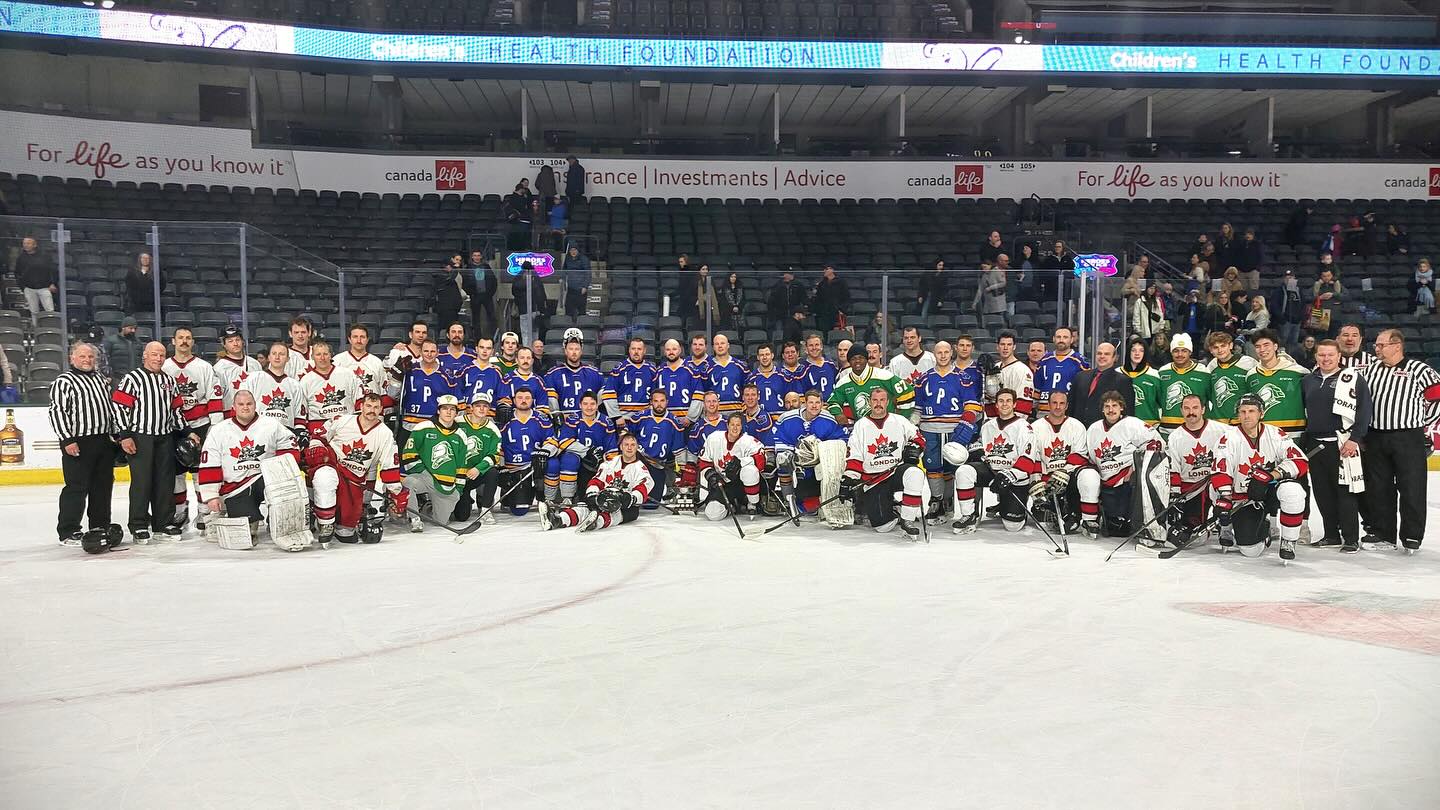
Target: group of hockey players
450, 435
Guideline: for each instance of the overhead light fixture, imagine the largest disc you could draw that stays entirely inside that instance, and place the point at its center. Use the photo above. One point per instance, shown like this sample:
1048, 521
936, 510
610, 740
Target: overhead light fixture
1234, 153
107, 3
90, 3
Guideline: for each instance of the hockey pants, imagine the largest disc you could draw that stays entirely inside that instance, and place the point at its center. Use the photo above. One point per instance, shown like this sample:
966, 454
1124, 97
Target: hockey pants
905, 488
748, 485
1111, 506
574, 515
442, 503
972, 477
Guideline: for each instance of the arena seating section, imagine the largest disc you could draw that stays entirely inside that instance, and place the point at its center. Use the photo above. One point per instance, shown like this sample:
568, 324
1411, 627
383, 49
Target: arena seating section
414, 235
805, 19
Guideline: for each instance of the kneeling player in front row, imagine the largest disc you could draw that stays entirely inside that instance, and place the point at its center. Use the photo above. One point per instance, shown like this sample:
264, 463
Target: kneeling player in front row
1193, 451
1058, 445
1118, 446
1005, 465
612, 497
884, 457
231, 483
1256, 477
730, 465
436, 459
344, 466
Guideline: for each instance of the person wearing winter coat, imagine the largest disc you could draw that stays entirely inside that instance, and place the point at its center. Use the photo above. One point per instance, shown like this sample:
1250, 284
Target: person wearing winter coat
140, 286
1150, 313
545, 183
1250, 258
1397, 241
784, 298
1329, 292
1297, 223
577, 281
1287, 310
574, 180
933, 291
1257, 318
37, 277
990, 295
1422, 288
731, 295
482, 289
447, 295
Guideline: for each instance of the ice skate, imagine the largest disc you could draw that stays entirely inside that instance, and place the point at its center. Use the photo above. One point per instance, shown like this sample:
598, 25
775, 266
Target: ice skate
416, 524
140, 537
1090, 528
324, 533
1411, 546
591, 521
966, 525
910, 528
71, 539
549, 516
1287, 550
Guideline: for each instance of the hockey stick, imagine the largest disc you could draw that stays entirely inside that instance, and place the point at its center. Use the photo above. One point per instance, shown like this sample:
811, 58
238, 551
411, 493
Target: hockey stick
474, 525
725, 499
1063, 552
787, 521
1123, 543
1204, 529
1059, 520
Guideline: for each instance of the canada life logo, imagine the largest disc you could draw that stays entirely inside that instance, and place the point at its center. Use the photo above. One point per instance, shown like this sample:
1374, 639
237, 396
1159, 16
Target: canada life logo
1435, 181
970, 179
449, 175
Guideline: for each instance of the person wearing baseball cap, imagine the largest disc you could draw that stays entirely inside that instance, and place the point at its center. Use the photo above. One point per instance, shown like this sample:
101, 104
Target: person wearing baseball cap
482, 438
1178, 379
438, 459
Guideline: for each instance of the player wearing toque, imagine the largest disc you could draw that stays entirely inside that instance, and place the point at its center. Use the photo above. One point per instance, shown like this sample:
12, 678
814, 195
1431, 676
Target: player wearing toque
850, 401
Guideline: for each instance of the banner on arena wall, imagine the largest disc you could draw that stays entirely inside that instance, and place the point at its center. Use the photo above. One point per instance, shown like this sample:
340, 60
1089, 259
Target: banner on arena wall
41, 447
162, 29
95, 149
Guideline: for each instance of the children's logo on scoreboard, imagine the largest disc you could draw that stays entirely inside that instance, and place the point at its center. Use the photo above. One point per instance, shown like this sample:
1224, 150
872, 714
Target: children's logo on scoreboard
1096, 264
542, 263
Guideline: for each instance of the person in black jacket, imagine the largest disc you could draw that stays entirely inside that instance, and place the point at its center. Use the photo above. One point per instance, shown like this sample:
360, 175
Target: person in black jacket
784, 298
830, 300
1287, 311
448, 294
574, 180
140, 287
1090, 385
1250, 258
934, 290
1056, 265
534, 312
482, 289
37, 277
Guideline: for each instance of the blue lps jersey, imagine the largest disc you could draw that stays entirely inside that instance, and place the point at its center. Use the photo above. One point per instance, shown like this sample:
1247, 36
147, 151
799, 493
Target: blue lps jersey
695, 439
519, 438
726, 379
761, 426
773, 385
474, 380
661, 437
1054, 374
820, 377
792, 427
569, 384
417, 398
628, 387
532, 383
700, 368
580, 436
453, 366
942, 400
681, 387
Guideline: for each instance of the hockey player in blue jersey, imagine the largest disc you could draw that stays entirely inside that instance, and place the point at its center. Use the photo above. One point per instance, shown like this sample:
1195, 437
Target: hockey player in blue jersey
524, 452
524, 378
585, 440
482, 376
946, 397
709, 421
455, 357
771, 383
727, 376
699, 359
798, 483
627, 388
661, 438
683, 390
1057, 368
571, 379
423, 386
819, 371
793, 369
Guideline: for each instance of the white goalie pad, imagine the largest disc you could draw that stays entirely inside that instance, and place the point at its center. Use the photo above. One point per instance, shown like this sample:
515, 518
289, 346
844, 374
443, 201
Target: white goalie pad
231, 534
829, 468
288, 500
1152, 471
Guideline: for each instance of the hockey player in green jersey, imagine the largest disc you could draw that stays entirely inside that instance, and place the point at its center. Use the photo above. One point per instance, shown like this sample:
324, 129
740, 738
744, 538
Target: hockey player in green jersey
850, 400
1228, 372
482, 439
1276, 380
1146, 381
436, 458
1178, 379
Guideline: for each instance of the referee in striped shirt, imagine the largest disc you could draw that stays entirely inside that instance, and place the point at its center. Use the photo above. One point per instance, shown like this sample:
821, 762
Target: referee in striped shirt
147, 414
1351, 342
1406, 397
80, 415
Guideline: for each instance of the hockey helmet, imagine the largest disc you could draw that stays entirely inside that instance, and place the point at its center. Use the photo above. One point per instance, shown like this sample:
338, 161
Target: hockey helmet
372, 528
187, 453
715, 510
95, 541
573, 334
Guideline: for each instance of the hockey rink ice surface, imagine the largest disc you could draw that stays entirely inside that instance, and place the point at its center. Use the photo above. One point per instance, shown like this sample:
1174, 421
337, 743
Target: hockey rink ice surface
669, 664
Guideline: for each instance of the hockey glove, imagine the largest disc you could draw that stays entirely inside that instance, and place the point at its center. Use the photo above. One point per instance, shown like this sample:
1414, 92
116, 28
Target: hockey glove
302, 437
1154, 446
849, 487
399, 502
595, 457
964, 434
732, 470
610, 500
912, 453
1039, 489
1059, 480
592, 500
713, 478
1224, 509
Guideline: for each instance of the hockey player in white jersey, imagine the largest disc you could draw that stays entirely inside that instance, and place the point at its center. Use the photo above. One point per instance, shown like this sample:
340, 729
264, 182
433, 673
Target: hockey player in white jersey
882, 470
1192, 450
1059, 446
201, 405
1004, 465
357, 451
230, 479
368, 369
277, 394
1114, 445
327, 392
913, 361
730, 464
612, 497
1015, 374
1256, 475
234, 367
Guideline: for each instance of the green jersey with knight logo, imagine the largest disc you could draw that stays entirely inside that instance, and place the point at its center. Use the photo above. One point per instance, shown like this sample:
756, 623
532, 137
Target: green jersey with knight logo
439, 451
1175, 385
482, 443
1147, 394
852, 394
1279, 389
1227, 384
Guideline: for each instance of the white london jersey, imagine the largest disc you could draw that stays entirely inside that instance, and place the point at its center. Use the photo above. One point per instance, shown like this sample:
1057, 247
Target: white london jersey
299, 363
1111, 449
1239, 456
718, 450
327, 397
276, 397
1055, 448
1020, 378
1005, 446
911, 370
202, 401
232, 375
368, 369
1193, 456
876, 447
634, 477
364, 455
230, 458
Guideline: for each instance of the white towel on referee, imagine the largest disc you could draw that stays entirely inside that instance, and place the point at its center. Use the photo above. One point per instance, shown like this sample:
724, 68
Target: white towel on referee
1352, 473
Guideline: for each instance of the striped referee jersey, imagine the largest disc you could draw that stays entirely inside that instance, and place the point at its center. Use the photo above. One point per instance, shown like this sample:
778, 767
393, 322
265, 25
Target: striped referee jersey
80, 405
1406, 396
145, 403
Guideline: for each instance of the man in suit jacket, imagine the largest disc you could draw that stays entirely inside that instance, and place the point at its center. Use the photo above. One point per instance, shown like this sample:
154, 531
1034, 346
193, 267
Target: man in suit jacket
1091, 384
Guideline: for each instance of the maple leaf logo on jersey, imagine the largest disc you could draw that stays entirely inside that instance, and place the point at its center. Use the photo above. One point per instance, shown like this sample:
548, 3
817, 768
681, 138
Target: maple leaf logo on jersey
276, 400
1200, 459
882, 447
1270, 394
1255, 462
238, 381
1108, 451
247, 450
330, 395
1057, 450
1000, 446
356, 453
1224, 390
1175, 393
185, 387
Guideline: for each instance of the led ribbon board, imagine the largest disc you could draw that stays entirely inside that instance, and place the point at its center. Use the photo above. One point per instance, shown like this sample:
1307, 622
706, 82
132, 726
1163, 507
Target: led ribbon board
1096, 264
115, 25
543, 264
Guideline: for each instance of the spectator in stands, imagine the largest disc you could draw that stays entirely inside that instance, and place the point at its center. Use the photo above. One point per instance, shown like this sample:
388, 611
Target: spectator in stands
516, 214
1211, 259
732, 303
449, 290
559, 220
1202, 245
523, 188
1149, 313
574, 180
1305, 353
140, 286
993, 247
533, 311
482, 275
1328, 293
1296, 225
539, 226
1191, 318
1012, 284
543, 363
1231, 285
1353, 235
786, 296
1217, 313
1024, 284
687, 295
1334, 241
123, 348
1227, 244
793, 328
1397, 241
8, 394
934, 290
830, 300
577, 280
1422, 288
1257, 319
1250, 259
545, 183
1199, 272
1059, 266
1137, 281
990, 295
1286, 308
37, 277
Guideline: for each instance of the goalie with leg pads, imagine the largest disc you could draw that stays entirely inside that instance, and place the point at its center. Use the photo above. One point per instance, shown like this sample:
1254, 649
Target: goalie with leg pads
884, 457
1113, 444
800, 439
1257, 467
231, 480
1005, 465
732, 461
612, 497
